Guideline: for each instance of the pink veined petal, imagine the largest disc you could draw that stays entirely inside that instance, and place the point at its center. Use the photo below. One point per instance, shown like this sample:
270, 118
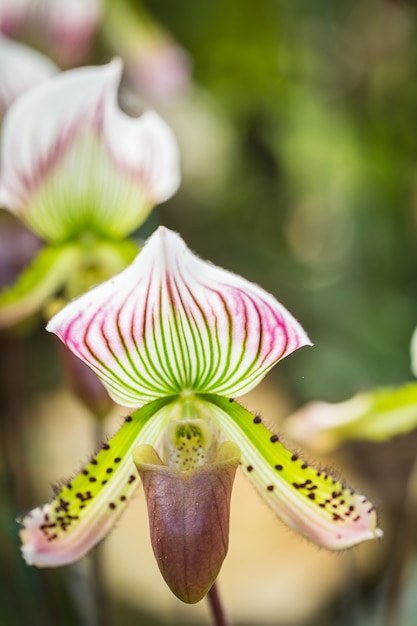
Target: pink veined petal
73, 161
173, 323
20, 68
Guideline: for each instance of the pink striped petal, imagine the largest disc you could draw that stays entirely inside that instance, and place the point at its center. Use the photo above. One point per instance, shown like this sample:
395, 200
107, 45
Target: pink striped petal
172, 323
74, 162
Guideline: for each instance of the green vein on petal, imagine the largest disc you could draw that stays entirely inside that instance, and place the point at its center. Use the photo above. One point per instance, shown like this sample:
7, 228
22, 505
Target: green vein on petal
85, 507
46, 274
314, 502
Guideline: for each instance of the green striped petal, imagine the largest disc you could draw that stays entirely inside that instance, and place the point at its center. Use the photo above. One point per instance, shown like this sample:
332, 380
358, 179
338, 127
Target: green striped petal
74, 163
311, 501
172, 323
86, 507
47, 273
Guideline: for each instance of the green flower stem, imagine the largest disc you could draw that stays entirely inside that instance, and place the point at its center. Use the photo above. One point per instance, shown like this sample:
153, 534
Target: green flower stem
216, 607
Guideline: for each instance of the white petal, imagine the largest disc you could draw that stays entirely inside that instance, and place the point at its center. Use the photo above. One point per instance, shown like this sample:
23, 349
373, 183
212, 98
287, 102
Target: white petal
173, 323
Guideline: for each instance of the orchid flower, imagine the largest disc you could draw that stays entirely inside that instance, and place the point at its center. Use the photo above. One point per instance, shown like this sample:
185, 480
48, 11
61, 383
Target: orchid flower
64, 30
20, 68
82, 175
177, 339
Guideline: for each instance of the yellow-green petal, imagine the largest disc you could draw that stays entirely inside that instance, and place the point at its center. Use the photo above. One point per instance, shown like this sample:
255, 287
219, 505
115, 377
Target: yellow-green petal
86, 507
313, 502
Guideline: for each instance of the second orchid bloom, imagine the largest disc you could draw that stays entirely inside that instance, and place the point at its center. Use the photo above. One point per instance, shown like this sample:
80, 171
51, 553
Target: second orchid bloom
81, 174
177, 339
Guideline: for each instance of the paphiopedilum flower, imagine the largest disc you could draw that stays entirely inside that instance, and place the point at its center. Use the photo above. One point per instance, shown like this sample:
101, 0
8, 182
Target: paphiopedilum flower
20, 69
177, 338
82, 175
64, 30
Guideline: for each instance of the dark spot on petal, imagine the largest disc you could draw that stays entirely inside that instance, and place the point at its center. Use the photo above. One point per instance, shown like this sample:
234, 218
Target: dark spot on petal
123, 498
112, 505
249, 468
257, 419
109, 470
231, 400
312, 496
128, 418
105, 446
85, 472
294, 457
117, 459
103, 482
270, 487
92, 479
273, 438
132, 478
304, 466
279, 467
94, 462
